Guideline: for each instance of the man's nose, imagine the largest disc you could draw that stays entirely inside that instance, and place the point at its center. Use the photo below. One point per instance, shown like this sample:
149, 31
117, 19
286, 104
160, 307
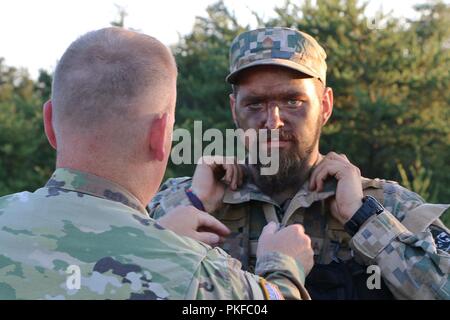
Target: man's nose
273, 118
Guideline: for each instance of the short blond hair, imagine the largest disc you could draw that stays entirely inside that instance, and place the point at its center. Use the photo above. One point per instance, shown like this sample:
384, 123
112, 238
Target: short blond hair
104, 72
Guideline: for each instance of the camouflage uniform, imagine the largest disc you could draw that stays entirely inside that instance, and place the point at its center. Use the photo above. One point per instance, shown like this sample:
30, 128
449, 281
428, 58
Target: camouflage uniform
407, 241
83, 220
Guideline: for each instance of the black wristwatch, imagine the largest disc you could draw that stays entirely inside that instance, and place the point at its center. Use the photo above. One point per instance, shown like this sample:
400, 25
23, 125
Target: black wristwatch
369, 207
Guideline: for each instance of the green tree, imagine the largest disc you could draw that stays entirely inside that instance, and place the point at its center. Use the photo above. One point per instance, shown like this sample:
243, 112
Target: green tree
26, 160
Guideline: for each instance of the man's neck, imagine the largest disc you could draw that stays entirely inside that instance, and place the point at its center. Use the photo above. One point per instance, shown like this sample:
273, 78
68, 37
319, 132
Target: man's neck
124, 179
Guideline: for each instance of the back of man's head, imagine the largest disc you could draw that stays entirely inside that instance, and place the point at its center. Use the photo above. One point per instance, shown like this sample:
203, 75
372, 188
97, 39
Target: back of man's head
104, 74
107, 88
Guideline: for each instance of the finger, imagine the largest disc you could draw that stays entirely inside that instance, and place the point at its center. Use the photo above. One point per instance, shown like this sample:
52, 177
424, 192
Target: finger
334, 208
228, 174
334, 156
206, 166
296, 225
329, 169
212, 160
217, 164
235, 181
207, 237
230, 160
319, 177
232, 176
316, 170
241, 175
344, 157
212, 224
207, 160
269, 229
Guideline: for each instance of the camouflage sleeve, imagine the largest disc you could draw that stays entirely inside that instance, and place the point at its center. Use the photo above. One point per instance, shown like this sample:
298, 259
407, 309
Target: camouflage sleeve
220, 277
285, 272
413, 258
170, 195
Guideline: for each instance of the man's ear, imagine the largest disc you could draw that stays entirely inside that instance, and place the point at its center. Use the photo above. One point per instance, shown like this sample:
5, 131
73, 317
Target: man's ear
158, 137
233, 108
327, 105
48, 123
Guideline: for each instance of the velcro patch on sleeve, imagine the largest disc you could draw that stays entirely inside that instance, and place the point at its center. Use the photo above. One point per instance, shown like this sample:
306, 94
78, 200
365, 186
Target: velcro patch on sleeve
441, 238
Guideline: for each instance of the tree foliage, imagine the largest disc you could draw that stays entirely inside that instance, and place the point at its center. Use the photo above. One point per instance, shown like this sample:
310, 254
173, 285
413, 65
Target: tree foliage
25, 156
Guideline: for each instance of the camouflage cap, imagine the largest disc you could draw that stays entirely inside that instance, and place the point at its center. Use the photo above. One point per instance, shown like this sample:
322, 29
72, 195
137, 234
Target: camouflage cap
278, 46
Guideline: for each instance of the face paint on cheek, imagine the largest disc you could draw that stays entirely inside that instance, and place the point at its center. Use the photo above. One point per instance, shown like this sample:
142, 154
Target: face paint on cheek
307, 123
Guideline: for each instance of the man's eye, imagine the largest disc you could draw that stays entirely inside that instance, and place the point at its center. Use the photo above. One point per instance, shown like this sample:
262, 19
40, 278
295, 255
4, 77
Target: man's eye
255, 106
293, 103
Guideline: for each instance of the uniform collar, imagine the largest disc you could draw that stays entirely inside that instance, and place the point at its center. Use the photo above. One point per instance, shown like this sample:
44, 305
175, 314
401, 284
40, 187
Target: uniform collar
303, 198
86, 183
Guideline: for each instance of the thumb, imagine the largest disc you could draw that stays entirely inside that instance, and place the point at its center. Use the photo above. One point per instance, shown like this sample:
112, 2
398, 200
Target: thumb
209, 238
269, 229
334, 208
206, 221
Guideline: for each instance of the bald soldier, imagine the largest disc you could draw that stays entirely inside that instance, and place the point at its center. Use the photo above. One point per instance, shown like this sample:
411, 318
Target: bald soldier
86, 234
372, 239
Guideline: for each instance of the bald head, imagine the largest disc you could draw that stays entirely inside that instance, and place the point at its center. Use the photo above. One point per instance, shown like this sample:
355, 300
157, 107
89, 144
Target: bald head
105, 74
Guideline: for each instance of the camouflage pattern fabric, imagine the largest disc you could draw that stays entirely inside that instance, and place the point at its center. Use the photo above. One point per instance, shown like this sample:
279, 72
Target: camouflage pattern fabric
278, 46
414, 265
82, 220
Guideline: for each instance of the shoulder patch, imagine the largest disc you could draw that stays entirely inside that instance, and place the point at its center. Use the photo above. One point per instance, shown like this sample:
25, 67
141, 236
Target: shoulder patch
271, 291
441, 238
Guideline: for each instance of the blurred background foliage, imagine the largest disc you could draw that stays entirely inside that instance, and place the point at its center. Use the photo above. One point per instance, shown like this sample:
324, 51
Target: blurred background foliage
390, 79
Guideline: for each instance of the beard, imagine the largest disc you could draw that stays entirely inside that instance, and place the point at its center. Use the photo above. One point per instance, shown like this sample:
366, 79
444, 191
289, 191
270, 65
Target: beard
294, 164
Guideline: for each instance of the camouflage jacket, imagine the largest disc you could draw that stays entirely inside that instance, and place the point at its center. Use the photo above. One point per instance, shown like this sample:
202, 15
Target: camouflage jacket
81, 225
408, 242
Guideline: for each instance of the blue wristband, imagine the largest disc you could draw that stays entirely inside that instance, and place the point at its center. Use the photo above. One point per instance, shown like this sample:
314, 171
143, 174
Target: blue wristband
196, 202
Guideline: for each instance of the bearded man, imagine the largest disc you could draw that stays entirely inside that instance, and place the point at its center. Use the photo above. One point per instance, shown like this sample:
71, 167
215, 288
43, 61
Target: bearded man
372, 238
